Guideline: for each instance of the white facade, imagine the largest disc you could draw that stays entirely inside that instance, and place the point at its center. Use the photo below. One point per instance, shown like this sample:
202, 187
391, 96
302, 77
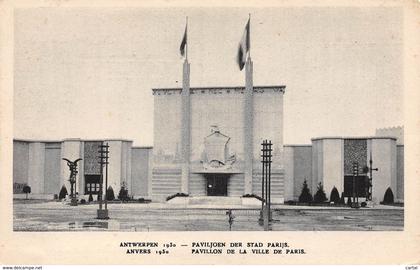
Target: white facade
328, 157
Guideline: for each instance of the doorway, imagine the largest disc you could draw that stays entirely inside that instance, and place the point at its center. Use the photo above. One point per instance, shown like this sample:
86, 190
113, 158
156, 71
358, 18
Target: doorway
217, 184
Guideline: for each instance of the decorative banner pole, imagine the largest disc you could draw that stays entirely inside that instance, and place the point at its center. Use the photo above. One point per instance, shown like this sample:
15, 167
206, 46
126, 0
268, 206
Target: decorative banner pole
265, 215
72, 179
103, 160
106, 152
355, 203
269, 150
262, 182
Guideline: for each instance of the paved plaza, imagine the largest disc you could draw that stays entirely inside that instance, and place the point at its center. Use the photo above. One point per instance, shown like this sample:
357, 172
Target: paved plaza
33, 215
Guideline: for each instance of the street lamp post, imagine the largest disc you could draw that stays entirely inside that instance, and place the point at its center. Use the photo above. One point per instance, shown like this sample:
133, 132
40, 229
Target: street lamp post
265, 216
103, 160
106, 173
355, 203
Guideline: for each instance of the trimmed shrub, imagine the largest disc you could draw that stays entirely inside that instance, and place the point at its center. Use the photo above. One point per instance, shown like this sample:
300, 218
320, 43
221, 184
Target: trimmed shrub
342, 199
320, 196
363, 204
82, 201
305, 195
335, 196
123, 194
110, 194
90, 198
388, 197
26, 190
63, 193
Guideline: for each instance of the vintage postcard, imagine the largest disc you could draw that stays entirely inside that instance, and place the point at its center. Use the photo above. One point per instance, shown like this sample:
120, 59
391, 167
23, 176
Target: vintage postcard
226, 132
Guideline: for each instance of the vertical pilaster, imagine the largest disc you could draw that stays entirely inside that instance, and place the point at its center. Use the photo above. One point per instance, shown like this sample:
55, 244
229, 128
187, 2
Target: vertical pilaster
289, 178
149, 173
383, 159
36, 167
129, 147
332, 163
248, 127
186, 127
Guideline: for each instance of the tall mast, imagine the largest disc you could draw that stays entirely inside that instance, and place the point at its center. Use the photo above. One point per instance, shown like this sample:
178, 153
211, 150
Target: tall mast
185, 120
249, 36
248, 119
186, 48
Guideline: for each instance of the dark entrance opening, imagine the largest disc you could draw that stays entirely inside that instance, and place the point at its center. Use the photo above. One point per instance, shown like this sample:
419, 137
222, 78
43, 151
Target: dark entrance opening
92, 183
217, 184
361, 185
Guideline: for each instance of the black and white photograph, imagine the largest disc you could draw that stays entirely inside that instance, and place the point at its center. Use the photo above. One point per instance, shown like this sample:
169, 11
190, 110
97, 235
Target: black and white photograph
141, 132
208, 119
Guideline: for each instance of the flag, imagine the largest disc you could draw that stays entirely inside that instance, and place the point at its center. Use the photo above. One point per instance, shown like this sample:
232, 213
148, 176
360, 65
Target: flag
244, 46
183, 46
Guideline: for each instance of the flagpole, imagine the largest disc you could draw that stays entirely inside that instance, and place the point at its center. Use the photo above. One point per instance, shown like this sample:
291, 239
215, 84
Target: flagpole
249, 35
186, 49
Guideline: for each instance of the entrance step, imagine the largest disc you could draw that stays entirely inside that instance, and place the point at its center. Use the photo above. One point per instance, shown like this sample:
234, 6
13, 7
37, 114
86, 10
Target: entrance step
215, 200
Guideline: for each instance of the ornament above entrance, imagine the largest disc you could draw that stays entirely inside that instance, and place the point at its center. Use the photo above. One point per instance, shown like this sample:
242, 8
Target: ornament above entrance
216, 155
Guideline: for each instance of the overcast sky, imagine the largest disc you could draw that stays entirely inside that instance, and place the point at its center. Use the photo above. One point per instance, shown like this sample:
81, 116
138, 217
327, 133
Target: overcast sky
88, 72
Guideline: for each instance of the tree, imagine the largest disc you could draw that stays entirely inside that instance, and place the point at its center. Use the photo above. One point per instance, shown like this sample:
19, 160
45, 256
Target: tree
334, 196
123, 194
320, 194
63, 193
110, 194
305, 195
27, 190
388, 197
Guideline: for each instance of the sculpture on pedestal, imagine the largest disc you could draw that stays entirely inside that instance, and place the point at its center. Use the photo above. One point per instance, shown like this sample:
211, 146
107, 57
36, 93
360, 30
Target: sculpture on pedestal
72, 178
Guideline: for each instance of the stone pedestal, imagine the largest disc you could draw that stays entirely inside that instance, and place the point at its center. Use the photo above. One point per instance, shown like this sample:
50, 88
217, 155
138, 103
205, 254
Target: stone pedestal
265, 218
102, 214
73, 202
